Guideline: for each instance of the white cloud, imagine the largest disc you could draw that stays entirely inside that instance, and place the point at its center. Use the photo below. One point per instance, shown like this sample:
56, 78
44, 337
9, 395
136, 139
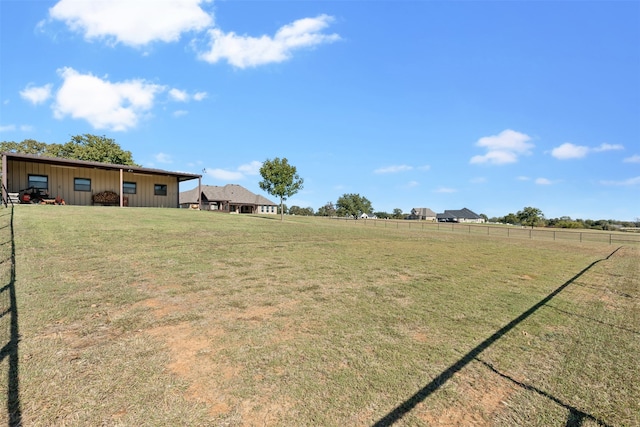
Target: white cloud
412, 184
199, 96
180, 113
523, 178
133, 23
503, 148
633, 159
445, 190
246, 51
36, 94
608, 147
626, 182
179, 95
543, 181
393, 169
105, 105
252, 168
478, 180
225, 175
424, 168
11, 128
163, 158
569, 151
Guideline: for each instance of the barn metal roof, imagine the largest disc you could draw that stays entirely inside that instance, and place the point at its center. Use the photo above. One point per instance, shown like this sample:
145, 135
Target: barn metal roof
181, 176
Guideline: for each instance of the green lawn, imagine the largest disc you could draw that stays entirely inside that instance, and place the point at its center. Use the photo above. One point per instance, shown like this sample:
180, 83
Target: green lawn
165, 317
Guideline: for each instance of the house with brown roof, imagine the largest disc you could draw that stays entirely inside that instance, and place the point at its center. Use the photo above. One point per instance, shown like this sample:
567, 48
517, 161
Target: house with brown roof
231, 198
29, 178
424, 214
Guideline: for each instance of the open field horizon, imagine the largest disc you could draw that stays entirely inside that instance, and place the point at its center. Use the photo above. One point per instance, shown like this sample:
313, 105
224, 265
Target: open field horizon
162, 317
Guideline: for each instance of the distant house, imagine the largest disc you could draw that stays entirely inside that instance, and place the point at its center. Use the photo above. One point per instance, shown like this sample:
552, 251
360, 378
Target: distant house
462, 215
231, 198
425, 214
33, 178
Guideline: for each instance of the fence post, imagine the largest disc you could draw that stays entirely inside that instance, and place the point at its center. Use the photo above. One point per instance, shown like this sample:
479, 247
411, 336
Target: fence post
581, 237
530, 236
609, 238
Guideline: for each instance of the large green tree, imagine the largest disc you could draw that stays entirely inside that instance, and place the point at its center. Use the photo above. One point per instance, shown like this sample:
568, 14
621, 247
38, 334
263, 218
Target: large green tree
94, 148
87, 147
280, 179
530, 216
353, 205
30, 146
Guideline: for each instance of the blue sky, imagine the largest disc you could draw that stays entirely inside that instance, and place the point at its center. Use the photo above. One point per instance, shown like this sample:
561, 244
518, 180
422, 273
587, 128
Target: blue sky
489, 105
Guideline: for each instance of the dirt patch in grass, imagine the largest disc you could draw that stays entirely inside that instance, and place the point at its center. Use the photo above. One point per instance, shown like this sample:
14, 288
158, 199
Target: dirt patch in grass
479, 398
193, 358
197, 358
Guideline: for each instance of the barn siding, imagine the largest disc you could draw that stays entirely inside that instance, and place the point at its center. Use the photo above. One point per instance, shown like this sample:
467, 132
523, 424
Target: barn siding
61, 183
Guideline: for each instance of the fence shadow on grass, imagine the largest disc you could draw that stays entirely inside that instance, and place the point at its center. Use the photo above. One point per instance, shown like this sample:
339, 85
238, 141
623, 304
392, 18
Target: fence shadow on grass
591, 319
9, 323
408, 405
575, 418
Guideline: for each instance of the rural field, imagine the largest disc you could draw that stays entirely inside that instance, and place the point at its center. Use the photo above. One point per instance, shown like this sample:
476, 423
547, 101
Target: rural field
167, 317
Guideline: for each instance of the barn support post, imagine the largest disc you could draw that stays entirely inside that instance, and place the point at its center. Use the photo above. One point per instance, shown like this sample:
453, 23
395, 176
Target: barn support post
5, 194
121, 187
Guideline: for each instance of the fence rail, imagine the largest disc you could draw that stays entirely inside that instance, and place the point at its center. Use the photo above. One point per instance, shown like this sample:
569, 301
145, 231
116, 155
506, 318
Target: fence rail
504, 231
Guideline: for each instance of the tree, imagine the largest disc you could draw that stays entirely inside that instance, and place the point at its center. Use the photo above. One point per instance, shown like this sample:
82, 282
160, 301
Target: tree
94, 148
29, 146
510, 218
81, 147
397, 213
327, 210
382, 215
297, 210
280, 179
530, 216
353, 205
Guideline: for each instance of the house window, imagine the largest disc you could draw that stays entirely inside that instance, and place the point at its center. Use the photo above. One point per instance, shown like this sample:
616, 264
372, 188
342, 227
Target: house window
160, 189
39, 181
129, 187
81, 184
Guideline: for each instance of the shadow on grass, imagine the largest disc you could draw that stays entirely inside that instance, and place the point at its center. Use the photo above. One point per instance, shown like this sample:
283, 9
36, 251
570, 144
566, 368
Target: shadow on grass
576, 416
9, 332
591, 319
408, 405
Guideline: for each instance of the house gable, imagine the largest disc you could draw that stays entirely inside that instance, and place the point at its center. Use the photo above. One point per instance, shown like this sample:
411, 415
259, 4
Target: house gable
422, 214
230, 198
460, 215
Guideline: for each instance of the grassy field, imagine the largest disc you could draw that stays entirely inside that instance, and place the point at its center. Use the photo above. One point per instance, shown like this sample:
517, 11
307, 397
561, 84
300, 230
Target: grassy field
165, 317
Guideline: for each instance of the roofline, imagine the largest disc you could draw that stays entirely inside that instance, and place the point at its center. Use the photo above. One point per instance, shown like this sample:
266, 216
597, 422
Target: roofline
97, 165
